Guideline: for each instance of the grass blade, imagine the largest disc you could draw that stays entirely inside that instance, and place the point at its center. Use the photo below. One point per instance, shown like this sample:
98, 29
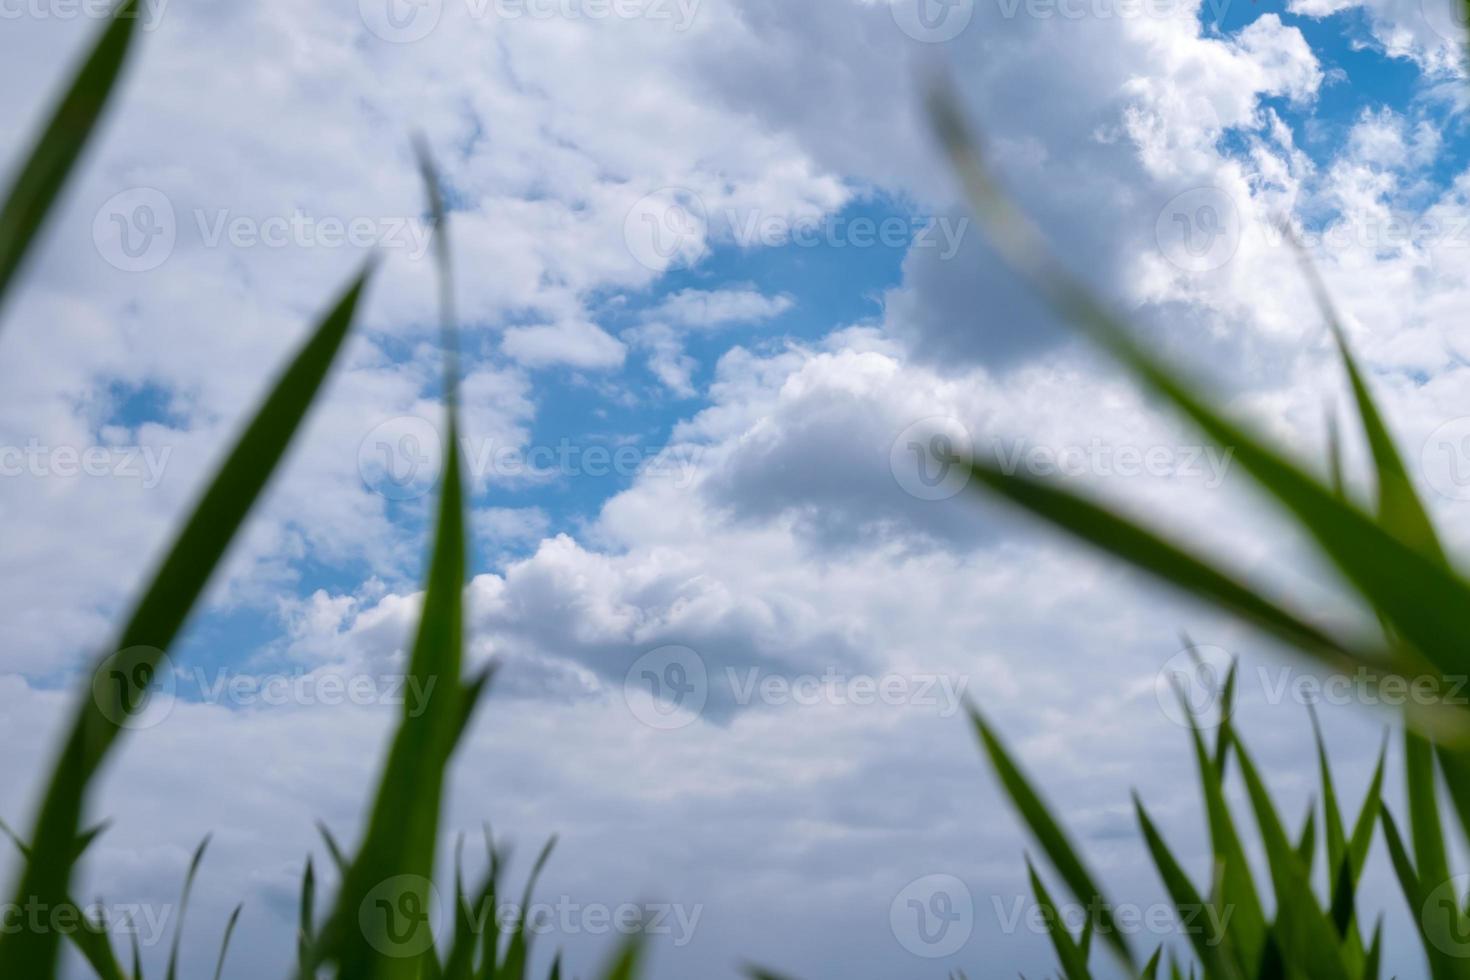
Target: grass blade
157, 619
173, 956
60, 145
1052, 839
224, 944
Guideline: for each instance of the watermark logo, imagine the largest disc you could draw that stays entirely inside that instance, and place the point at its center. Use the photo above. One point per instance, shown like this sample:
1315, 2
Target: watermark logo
401, 21
135, 230
667, 688
932, 21
148, 12
933, 916
1194, 677
1443, 917
399, 916
1198, 230
400, 459
666, 228
928, 458
1445, 459
135, 688
1450, 19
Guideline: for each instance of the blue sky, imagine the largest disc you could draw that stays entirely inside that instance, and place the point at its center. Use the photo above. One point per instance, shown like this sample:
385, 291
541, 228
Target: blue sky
813, 302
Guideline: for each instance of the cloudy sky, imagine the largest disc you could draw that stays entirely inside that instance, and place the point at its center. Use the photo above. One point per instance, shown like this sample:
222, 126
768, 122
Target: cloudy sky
716, 285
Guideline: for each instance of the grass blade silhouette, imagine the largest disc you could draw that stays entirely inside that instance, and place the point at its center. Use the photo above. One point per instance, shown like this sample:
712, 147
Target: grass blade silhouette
56, 151
157, 619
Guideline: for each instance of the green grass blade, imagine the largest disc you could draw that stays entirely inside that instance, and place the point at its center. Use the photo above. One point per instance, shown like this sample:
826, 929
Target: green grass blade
305, 930
55, 153
339, 858
1212, 951
1399, 506
625, 964
518, 954
1151, 968
1307, 939
1417, 891
1375, 953
1306, 847
1426, 603
224, 944
1431, 860
158, 618
1237, 890
1052, 839
1169, 563
173, 955
1072, 958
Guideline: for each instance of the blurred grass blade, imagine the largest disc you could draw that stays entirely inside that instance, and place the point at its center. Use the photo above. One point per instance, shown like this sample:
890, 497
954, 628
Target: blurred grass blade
1052, 839
1237, 890
42, 176
224, 945
1211, 950
173, 955
518, 954
305, 929
1308, 941
402, 832
1417, 892
1072, 958
625, 964
157, 619
1399, 506
1151, 968
1171, 564
1427, 603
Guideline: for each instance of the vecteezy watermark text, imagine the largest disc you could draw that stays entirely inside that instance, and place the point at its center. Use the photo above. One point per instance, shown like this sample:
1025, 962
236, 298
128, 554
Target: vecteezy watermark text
673, 226
670, 687
138, 229
400, 917
145, 464
401, 459
407, 21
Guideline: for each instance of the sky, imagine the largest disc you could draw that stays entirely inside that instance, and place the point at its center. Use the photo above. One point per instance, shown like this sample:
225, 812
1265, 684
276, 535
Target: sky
718, 294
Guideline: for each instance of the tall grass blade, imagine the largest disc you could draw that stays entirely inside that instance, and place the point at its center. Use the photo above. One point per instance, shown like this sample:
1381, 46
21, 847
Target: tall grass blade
61, 143
157, 619
1052, 839
173, 955
224, 944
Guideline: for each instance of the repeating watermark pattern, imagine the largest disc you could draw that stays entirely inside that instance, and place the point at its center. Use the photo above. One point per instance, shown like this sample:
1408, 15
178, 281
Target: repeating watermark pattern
1199, 230
148, 12
145, 464
1208, 922
1208, 464
669, 688
401, 459
672, 226
1445, 459
941, 692
1111, 9
144, 922
1190, 686
400, 917
407, 21
933, 916
138, 229
1196, 677
1443, 917
1448, 18
928, 458
139, 687
932, 21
